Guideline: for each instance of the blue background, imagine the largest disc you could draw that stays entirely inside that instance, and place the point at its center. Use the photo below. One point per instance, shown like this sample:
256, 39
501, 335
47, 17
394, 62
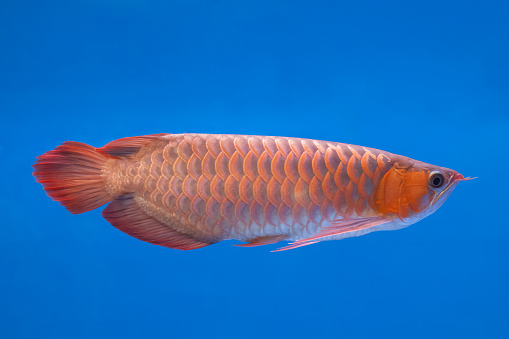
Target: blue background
429, 80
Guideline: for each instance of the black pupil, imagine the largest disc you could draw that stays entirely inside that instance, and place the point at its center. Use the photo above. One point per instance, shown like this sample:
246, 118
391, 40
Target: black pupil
436, 181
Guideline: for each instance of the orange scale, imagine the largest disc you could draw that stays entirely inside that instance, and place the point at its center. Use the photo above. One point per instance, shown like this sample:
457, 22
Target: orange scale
250, 166
291, 169
199, 147
329, 187
217, 188
246, 190
228, 211
278, 167
339, 203
169, 201
157, 198
143, 172
319, 167
341, 178
180, 169
270, 146
260, 191
146, 161
354, 169
283, 146
150, 184
242, 212
296, 147
361, 207
138, 182
332, 160
208, 166
305, 168
302, 193
146, 195
175, 186
364, 183
213, 146
327, 210
231, 189
256, 213
225, 226
351, 194
274, 192
203, 187
227, 146
236, 165
241, 145
316, 192
198, 206
357, 151
170, 154
264, 166
270, 214
309, 147
155, 171
183, 203
256, 146
194, 220
287, 194
300, 216
167, 170
344, 153
222, 166
157, 159
284, 215
194, 167
213, 209
314, 213
383, 162
189, 187
184, 150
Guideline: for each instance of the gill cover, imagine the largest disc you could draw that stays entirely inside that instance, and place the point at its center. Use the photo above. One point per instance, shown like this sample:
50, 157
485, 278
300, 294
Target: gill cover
401, 190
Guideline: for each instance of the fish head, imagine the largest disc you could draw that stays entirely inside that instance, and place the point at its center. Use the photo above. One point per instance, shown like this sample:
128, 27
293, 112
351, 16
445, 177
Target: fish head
412, 190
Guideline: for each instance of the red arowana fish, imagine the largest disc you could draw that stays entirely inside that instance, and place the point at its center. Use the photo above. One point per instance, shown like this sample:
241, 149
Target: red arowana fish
187, 191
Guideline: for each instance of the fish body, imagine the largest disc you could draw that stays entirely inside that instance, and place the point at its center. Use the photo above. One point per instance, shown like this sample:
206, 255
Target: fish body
187, 191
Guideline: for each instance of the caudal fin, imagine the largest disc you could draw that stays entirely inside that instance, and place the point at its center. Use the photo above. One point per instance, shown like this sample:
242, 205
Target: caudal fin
72, 175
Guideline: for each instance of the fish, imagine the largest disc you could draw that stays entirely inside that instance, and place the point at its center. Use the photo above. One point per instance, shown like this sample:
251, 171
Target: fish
188, 191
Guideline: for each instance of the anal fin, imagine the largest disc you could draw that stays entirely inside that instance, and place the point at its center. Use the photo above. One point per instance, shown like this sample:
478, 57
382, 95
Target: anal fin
266, 240
124, 214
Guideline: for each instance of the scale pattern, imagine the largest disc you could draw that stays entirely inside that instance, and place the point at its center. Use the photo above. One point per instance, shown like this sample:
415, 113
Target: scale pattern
219, 187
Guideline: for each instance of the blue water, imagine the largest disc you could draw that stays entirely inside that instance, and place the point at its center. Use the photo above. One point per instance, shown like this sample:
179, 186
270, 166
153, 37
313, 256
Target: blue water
427, 80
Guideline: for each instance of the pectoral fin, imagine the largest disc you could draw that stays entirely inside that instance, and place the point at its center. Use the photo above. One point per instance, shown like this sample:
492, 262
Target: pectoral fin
338, 227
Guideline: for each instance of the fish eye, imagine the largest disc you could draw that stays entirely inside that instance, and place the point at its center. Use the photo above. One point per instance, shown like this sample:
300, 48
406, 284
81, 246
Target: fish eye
436, 179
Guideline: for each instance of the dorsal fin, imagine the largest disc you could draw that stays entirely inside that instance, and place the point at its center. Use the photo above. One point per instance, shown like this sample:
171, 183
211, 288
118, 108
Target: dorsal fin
125, 214
126, 147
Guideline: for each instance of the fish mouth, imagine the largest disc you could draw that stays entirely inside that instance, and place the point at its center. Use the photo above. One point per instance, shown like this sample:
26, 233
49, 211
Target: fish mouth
460, 177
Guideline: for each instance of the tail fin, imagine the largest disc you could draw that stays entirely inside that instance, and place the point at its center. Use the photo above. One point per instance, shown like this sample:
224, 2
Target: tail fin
72, 175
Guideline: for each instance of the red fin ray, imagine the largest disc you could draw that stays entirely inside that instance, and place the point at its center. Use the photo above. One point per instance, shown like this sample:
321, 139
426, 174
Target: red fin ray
295, 245
126, 147
72, 175
124, 214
